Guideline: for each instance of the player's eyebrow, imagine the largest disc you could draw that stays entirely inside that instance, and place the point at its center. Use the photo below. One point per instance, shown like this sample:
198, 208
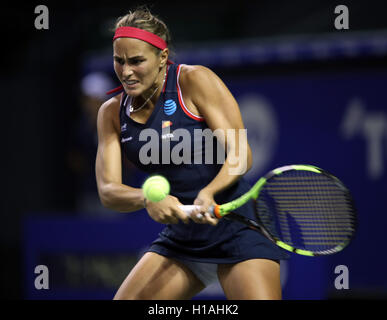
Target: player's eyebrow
130, 58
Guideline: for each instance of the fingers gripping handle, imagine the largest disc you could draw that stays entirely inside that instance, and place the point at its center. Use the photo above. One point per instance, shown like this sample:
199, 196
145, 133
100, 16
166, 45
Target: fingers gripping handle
189, 209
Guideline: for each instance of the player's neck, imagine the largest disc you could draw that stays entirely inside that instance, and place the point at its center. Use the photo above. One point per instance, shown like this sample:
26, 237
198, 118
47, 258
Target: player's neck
149, 98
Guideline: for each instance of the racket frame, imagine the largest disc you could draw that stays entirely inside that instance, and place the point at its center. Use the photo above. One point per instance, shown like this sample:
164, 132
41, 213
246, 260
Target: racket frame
226, 210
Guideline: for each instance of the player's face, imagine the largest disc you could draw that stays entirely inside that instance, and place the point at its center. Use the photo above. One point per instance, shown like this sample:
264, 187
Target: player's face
137, 65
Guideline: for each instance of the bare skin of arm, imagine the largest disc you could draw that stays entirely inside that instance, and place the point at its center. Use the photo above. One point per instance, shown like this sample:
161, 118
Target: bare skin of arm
112, 192
206, 95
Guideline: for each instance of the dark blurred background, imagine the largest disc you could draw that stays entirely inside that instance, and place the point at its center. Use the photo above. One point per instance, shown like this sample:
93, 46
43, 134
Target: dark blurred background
318, 95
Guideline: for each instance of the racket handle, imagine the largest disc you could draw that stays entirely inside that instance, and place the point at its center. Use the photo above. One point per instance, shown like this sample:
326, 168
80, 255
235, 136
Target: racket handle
188, 209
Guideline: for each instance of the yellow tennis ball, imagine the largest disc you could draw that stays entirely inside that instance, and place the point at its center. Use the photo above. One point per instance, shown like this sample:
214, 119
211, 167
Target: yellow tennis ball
155, 188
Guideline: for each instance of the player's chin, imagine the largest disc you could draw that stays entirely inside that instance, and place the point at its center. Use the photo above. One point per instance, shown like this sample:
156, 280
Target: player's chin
133, 91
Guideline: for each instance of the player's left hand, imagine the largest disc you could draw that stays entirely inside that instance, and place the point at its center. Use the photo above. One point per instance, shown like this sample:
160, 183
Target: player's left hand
205, 200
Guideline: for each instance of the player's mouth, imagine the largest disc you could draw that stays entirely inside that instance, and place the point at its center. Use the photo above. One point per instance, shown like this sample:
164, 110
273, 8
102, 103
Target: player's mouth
130, 83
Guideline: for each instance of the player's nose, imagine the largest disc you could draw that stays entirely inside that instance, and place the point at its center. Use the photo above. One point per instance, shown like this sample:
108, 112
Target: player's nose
126, 71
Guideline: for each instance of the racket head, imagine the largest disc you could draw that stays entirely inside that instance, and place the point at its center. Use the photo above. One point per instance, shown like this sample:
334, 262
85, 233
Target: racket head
306, 210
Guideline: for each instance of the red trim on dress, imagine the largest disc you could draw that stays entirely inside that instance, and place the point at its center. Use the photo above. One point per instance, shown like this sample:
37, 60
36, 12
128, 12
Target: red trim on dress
181, 102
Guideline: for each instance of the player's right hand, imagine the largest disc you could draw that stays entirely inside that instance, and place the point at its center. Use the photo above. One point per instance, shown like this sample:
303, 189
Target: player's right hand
167, 211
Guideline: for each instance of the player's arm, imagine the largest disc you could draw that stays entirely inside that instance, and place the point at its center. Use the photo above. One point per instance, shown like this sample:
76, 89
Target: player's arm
212, 99
113, 194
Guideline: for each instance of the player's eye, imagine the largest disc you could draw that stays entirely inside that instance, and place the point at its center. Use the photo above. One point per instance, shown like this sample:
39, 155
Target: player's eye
119, 60
137, 61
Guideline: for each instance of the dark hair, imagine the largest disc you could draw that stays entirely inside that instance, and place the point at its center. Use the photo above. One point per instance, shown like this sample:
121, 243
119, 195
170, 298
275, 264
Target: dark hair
143, 19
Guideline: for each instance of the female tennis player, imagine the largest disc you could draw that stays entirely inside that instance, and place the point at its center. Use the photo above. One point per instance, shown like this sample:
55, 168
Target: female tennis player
190, 252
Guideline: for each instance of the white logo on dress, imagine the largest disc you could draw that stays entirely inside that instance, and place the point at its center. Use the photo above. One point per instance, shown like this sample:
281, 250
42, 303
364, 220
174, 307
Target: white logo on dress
126, 139
167, 136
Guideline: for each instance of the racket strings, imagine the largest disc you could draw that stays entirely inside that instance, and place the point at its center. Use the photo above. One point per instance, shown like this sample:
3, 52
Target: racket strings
307, 210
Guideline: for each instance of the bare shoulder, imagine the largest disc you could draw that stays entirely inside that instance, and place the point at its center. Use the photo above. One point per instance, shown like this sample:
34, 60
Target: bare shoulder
196, 74
110, 106
109, 111
198, 83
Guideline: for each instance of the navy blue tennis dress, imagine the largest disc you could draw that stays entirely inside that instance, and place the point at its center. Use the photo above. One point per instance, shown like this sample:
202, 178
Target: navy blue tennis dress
161, 139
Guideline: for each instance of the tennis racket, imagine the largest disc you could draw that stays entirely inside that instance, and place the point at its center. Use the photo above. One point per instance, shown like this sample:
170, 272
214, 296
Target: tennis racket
301, 208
